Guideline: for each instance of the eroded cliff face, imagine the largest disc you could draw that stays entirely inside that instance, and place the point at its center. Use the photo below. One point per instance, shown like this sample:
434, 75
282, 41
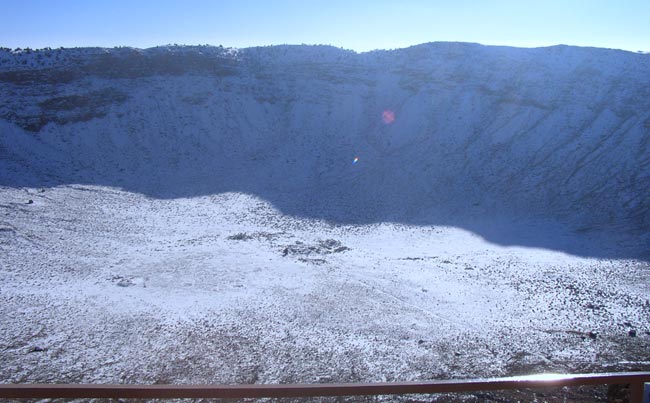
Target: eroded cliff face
440, 131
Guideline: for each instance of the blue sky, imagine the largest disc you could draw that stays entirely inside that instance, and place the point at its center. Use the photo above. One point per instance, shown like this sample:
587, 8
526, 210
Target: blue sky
359, 25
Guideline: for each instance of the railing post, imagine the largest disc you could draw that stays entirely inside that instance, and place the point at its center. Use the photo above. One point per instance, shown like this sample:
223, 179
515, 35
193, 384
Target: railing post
637, 392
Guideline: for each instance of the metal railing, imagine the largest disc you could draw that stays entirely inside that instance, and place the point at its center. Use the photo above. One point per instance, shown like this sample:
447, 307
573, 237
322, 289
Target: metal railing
636, 381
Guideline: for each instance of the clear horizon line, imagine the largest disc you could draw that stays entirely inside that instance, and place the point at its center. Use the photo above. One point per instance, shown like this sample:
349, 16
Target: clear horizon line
364, 50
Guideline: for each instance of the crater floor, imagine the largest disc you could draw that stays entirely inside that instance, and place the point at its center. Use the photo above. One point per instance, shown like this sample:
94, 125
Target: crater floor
106, 286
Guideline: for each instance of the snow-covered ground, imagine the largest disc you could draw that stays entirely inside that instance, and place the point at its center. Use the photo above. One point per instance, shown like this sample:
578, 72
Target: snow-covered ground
308, 214
118, 287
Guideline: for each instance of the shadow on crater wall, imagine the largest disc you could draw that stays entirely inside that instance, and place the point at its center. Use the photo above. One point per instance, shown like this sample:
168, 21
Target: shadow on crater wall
544, 148
352, 202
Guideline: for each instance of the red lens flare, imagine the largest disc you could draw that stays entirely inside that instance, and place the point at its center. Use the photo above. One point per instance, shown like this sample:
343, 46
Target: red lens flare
388, 116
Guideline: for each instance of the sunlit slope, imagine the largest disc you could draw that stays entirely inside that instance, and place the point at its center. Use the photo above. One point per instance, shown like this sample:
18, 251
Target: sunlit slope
559, 132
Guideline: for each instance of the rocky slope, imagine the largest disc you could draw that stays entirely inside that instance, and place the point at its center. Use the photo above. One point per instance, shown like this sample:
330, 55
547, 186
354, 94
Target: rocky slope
444, 133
